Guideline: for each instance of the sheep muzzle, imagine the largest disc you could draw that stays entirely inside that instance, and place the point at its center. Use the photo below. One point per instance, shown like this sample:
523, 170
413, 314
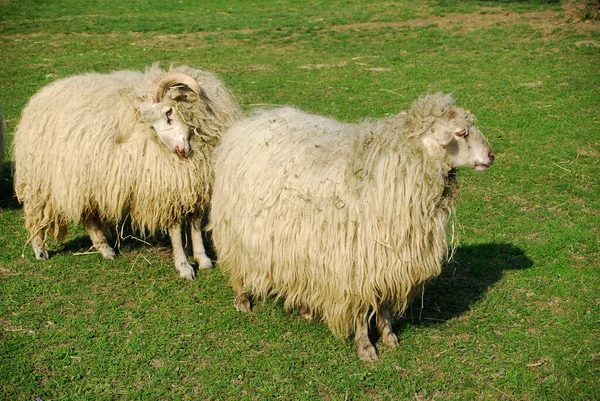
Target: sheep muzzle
182, 153
482, 166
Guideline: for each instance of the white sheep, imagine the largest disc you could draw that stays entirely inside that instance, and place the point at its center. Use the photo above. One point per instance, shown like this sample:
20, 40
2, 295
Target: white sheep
97, 148
343, 221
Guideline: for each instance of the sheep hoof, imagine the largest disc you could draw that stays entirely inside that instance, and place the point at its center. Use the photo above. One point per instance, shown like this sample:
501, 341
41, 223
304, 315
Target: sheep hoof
242, 303
106, 251
186, 271
305, 313
390, 339
204, 263
41, 254
366, 352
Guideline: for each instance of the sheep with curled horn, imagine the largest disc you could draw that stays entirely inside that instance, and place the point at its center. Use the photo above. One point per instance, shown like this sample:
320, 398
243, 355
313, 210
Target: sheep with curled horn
342, 221
96, 148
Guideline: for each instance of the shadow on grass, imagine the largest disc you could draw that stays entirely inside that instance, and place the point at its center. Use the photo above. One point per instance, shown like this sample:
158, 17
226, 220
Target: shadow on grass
129, 240
126, 240
8, 200
463, 282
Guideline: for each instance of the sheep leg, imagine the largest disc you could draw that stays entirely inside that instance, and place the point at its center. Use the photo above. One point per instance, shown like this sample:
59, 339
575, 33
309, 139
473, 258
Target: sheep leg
384, 325
365, 349
38, 244
240, 298
181, 264
94, 229
306, 313
198, 246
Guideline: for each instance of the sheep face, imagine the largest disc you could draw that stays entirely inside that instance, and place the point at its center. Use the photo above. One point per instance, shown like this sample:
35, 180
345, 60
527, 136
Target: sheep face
169, 127
170, 88
459, 142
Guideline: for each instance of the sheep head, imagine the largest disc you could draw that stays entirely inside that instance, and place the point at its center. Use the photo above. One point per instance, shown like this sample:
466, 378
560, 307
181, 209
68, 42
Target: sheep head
449, 133
159, 111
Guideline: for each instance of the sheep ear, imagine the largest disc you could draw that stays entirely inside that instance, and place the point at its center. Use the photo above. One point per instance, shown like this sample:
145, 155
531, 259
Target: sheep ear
441, 134
444, 138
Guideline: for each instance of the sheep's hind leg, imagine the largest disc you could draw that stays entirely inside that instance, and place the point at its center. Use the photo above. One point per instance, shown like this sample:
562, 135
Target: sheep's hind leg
365, 349
240, 298
306, 313
384, 325
181, 264
204, 261
94, 230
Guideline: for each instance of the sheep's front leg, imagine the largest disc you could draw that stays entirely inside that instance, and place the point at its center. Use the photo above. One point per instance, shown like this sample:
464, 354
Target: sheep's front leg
366, 351
181, 264
204, 261
384, 325
94, 230
38, 244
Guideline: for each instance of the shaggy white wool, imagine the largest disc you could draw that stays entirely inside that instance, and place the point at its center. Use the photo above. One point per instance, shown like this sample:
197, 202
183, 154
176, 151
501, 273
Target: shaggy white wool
81, 148
335, 218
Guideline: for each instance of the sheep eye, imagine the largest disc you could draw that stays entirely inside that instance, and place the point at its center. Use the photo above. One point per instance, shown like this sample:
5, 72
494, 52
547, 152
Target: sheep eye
168, 115
462, 134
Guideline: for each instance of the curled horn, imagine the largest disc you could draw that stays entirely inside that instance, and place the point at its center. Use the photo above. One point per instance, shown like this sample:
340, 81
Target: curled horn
165, 81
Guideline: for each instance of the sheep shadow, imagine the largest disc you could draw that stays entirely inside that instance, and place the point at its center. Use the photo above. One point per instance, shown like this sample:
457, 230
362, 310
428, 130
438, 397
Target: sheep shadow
121, 237
124, 239
8, 199
463, 282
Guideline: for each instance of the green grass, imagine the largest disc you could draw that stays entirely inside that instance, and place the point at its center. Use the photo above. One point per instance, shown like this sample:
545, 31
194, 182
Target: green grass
515, 316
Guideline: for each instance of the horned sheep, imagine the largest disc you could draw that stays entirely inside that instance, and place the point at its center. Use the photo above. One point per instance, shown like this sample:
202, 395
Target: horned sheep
96, 148
343, 221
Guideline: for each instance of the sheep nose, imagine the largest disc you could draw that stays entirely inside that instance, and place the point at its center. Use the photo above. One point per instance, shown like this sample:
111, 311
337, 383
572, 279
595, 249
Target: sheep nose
491, 156
182, 153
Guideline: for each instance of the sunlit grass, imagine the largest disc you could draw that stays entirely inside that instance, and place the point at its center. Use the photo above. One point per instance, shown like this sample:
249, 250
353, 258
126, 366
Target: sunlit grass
514, 316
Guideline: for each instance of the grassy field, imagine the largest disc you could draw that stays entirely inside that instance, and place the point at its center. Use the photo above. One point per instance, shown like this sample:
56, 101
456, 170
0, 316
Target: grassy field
515, 316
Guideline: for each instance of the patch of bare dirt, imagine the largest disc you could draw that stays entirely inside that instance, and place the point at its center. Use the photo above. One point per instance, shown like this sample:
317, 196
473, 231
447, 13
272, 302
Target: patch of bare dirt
582, 10
547, 20
321, 66
572, 16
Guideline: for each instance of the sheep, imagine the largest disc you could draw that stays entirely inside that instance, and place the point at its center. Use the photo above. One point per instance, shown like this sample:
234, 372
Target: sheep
1, 147
98, 148
343, 221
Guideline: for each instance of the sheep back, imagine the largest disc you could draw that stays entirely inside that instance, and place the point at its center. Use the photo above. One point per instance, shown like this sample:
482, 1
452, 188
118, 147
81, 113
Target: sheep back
337, 218
81, 148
